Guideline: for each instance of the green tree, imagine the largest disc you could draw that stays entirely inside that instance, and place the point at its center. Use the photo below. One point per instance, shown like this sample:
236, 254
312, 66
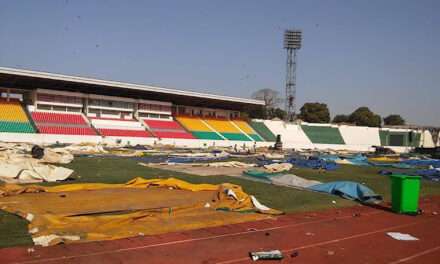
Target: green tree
340, 119
278, 113
394, 120
314, 113
364, 117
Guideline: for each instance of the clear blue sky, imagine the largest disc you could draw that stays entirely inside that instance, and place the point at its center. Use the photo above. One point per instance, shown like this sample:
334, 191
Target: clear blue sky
381, 54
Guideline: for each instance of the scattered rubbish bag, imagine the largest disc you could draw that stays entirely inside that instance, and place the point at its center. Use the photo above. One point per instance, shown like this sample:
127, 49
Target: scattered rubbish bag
349, 190
266, 255
278, 167
402, 236
63, 213
292, 181
37, 152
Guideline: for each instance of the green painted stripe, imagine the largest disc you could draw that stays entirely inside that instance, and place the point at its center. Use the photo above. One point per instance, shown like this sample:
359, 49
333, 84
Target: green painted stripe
262, 129
236, 136
255, 137
323, 134
16, 127
206, 135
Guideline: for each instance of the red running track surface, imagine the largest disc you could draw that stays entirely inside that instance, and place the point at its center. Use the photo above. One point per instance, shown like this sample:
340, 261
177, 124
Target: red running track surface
350, 235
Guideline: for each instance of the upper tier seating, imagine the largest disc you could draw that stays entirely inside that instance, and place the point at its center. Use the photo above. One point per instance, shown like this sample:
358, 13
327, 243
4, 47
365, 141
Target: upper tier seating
62, 123
114, 127
323, 134
167, 129
199, 129
263, 131
13, 118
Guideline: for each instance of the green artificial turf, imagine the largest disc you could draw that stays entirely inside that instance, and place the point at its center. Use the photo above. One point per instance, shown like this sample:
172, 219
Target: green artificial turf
13, 230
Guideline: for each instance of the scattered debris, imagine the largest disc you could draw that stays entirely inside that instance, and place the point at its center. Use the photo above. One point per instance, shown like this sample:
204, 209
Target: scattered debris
266, 255
402, 236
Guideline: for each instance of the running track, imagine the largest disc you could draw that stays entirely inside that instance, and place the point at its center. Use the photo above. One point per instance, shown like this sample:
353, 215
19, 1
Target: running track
353, 235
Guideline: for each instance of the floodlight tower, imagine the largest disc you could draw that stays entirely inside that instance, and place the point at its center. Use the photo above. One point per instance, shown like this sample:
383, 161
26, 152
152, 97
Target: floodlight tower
292, 43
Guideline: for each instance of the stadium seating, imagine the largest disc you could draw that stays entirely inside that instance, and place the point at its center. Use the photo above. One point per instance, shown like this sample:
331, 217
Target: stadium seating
123, 132
13, 118
167, 129
58, 118
62, 123
198, 128
323, 134
263, 131
227, 129
83, 131
246, 128
113, 127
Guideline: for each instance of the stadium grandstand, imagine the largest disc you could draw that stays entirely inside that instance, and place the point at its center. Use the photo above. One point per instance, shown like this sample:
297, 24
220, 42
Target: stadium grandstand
42, 107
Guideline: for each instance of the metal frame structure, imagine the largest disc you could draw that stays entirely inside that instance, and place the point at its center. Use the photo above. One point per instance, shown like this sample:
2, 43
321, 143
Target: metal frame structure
292, 43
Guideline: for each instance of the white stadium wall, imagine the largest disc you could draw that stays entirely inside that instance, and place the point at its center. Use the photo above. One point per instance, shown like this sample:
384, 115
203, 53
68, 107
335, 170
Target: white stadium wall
360, 138
292, 135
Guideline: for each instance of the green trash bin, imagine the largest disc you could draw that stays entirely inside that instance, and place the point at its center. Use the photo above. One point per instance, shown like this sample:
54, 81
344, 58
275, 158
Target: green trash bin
405, 191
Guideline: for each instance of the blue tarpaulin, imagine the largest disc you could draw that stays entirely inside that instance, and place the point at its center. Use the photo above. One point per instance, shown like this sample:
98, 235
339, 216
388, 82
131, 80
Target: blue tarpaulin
428, 162
392, 165
349, 190
313, 163
428, 174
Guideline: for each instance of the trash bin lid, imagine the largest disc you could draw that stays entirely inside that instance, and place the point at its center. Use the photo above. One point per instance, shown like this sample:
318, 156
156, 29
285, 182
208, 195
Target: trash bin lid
404, 176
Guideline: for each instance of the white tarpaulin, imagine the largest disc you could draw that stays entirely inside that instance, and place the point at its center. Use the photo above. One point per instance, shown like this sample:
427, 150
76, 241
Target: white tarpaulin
292, 180
30, 170
278, 167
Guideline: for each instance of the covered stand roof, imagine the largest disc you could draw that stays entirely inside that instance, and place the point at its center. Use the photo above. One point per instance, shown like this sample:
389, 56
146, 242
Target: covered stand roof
28, 80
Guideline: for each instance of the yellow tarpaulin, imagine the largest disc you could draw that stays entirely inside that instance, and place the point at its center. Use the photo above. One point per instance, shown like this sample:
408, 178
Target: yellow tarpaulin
385, 159
96, 211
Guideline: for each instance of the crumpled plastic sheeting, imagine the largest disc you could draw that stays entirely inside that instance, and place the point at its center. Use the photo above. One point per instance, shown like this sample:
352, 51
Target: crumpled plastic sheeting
16, 166
147, 206
31, 171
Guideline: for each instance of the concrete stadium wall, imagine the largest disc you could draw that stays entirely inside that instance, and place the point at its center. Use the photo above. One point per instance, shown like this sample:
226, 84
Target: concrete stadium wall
292, 135
48, 138
361, 138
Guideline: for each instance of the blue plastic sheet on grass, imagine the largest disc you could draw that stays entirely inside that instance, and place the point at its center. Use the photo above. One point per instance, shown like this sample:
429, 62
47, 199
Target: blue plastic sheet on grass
428, 162
313, 163
429, 174
349, 190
